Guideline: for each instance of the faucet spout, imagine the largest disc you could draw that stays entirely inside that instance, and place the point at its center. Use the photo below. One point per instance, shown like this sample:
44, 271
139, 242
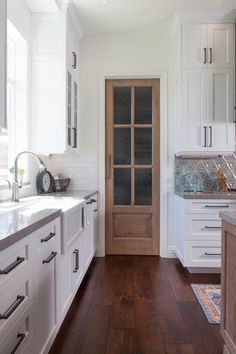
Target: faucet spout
15, 183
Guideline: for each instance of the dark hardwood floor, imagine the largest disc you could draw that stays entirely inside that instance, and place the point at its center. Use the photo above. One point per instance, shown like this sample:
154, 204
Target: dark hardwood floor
141, 305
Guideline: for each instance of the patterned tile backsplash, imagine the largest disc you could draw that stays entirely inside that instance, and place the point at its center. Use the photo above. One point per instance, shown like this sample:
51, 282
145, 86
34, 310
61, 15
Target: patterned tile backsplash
198, 174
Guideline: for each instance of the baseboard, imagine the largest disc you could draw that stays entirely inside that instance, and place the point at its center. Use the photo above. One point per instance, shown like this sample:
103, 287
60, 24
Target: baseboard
99, 252
170, 252
196, 270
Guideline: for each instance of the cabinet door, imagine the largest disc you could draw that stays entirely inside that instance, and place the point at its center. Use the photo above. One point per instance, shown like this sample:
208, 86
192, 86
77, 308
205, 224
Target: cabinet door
221, 45
194, 85
45, 299
194, 46
221, 131
3, 122
76, 264
65, 284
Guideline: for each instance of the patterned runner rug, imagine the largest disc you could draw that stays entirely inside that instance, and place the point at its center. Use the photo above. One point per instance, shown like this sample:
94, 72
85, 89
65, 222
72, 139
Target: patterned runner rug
209, 297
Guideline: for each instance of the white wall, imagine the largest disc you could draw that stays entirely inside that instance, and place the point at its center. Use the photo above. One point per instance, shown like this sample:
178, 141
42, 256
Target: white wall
147, 49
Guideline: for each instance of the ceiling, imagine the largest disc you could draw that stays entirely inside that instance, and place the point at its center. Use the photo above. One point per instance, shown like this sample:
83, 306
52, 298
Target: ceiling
112, 16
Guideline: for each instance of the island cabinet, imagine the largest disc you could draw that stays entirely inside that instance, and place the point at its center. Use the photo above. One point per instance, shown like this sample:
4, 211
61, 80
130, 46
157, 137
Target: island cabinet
228, 280
55, 83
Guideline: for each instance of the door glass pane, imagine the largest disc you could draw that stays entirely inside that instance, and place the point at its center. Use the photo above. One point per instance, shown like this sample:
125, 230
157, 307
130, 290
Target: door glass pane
122, 105
122, 146
143, 186
122, 186
143, 146
143, 105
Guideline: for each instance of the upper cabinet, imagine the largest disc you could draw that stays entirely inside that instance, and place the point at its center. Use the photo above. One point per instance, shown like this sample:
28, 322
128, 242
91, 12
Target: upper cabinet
207, 45
55, 83
3, 120
205, 121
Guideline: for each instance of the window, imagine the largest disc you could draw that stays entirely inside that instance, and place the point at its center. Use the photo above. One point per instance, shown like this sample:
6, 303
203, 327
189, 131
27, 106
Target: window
14, 139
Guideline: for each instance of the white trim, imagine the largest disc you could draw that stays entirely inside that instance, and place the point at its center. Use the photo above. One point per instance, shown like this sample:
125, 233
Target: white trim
161, 74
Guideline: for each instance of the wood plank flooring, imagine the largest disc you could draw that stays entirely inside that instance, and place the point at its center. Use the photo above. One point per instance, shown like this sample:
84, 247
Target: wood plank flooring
138, 305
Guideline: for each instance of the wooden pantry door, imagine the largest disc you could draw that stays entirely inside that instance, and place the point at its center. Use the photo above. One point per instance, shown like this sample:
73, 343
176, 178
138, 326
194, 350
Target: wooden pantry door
132, 166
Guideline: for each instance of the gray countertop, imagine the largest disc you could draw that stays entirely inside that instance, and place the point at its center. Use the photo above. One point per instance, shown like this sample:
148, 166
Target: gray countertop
18, 223
207, 195
229, 216
80, 194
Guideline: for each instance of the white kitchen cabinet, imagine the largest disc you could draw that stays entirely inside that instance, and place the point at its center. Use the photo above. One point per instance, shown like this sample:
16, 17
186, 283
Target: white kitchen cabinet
207, 45
205, 123
55, 83
3, 121
45, 292
197, 230
207, 119
20, 338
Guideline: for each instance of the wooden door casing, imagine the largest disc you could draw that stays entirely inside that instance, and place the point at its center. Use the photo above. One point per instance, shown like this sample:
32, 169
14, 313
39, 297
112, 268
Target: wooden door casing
132, 229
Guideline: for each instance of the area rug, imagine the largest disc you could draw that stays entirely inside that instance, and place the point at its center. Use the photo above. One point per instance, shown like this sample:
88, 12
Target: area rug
209, 297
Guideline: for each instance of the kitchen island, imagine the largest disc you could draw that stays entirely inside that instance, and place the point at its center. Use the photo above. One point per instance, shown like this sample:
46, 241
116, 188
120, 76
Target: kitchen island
228, 280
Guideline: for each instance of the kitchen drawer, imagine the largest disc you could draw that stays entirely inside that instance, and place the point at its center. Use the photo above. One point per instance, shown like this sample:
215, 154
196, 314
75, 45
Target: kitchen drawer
203, 227
202, 254
47, 236
15, 259
15, 295
209, 206
19, 339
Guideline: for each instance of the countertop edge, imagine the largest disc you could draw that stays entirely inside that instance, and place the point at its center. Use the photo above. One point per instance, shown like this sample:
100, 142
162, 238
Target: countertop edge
214, 196
19, 235
229, 217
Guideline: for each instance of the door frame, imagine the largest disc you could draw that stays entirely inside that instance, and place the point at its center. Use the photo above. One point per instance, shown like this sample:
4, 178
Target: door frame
129, 75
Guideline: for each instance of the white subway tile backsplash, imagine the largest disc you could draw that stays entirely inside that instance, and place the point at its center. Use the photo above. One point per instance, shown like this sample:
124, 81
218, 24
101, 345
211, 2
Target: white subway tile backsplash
80, 168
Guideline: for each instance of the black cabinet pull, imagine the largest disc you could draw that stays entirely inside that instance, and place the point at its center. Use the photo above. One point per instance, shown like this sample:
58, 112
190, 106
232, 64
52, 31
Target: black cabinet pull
21, 337
212, 254
12, 266
50, 258
89, 202
46, 239
211, 56
212, 227
95, 210
74, 65
12, 308
216, 206
76, 253
93, 200
210, 136
75, 137
205, 136
205, 56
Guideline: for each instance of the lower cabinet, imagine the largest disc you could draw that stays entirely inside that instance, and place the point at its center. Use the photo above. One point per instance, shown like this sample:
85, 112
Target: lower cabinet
20, 339
38, 282
197, 231
45, 289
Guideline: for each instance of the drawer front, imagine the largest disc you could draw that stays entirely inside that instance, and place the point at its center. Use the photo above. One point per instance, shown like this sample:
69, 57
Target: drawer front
73, 225
203, 254
209, 206
15, 295
14, 259
203, 227
47, 236
19, 339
